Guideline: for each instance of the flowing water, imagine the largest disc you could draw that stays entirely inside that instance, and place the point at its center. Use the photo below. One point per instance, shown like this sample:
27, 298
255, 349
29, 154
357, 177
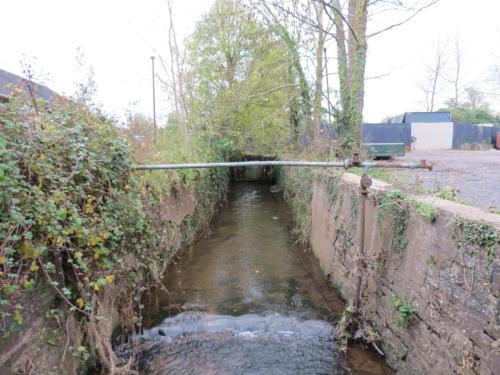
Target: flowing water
246, 300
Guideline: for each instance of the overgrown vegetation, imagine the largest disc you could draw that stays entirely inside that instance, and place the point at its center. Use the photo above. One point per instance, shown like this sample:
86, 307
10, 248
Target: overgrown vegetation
297, 187
431, 261
393, 212
426, 210
344, 333
73, 217
331, 181
80, 210
403, 309
239, 81
477, 236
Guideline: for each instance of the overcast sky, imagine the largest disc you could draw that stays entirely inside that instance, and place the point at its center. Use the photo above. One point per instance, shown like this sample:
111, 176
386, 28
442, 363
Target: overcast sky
119, 36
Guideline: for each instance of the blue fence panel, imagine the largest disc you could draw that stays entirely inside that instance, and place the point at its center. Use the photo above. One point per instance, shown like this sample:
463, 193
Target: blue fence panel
488, 134
468, 134
376, 133
483, 134
464, 134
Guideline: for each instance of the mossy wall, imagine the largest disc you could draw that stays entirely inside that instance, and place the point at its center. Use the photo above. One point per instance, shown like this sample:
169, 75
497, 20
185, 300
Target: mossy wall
437, 259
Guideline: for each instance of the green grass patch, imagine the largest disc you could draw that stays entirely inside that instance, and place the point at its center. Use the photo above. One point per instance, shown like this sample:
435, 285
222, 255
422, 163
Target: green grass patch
449, 194
378, 173
426, 210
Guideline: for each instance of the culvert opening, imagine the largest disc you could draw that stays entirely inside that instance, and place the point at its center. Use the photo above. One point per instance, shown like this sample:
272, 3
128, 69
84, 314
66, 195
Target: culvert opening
265, 174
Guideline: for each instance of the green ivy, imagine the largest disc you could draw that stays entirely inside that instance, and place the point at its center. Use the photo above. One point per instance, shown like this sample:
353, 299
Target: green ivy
74, 217
393, 211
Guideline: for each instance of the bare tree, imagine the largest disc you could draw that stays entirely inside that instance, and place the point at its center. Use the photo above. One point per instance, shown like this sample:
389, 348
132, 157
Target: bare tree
176, 67
28, 67
85, 83
458, 66
351, 40
173, 66
433, 74
476, 99
456, 77
352, 43
318, 91
295, 23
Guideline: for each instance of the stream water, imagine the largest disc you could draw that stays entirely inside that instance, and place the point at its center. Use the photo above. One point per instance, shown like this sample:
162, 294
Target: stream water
246, 300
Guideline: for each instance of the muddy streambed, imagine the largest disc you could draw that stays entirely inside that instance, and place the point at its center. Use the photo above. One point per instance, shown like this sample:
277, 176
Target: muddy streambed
246, 300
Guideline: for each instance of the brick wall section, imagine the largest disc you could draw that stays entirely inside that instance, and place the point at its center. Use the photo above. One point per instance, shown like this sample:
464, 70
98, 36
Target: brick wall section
454, 289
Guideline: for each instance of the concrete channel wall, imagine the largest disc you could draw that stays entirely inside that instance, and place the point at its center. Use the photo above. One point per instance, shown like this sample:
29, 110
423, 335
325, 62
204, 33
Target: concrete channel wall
437, 256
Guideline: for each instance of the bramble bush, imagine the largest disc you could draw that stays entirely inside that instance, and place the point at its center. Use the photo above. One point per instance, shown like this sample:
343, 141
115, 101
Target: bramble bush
73, 217
70, 210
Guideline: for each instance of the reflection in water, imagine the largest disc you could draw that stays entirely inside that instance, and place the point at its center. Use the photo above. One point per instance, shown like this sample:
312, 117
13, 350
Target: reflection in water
250, 302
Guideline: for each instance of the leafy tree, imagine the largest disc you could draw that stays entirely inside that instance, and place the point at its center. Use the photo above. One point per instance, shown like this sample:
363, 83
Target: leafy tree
469, 115
239, 83
473, 110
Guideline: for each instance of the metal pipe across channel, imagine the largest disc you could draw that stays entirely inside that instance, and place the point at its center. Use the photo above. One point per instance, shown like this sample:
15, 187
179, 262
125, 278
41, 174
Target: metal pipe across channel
335, 164
298, 163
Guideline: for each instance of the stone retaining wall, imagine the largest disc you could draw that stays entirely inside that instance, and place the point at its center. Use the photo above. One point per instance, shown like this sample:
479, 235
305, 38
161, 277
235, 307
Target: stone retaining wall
436, 256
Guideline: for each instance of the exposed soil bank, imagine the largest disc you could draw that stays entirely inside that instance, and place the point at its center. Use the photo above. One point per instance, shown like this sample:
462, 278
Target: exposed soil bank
437, 257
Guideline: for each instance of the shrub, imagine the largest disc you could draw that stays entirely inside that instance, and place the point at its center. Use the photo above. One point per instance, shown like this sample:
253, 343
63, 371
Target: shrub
69, 207
427, 211
74, 217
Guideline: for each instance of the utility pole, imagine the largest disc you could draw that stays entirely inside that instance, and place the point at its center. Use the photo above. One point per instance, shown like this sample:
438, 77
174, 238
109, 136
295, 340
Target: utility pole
154, 95
327, 89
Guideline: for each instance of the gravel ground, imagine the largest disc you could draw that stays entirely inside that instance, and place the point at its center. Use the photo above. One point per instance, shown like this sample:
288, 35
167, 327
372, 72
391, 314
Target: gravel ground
474, 176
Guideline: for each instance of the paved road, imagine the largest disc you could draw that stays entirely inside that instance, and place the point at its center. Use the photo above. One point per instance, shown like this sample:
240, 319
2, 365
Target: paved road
474, 174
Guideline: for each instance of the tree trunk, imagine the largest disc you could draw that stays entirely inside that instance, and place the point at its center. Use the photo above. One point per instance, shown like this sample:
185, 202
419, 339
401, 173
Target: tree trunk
344, 82
176, 74
357, 65
320, 45
351, 69
305, 100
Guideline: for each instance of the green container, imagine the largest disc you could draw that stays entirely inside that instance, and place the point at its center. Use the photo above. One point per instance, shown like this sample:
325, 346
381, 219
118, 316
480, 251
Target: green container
384, 149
